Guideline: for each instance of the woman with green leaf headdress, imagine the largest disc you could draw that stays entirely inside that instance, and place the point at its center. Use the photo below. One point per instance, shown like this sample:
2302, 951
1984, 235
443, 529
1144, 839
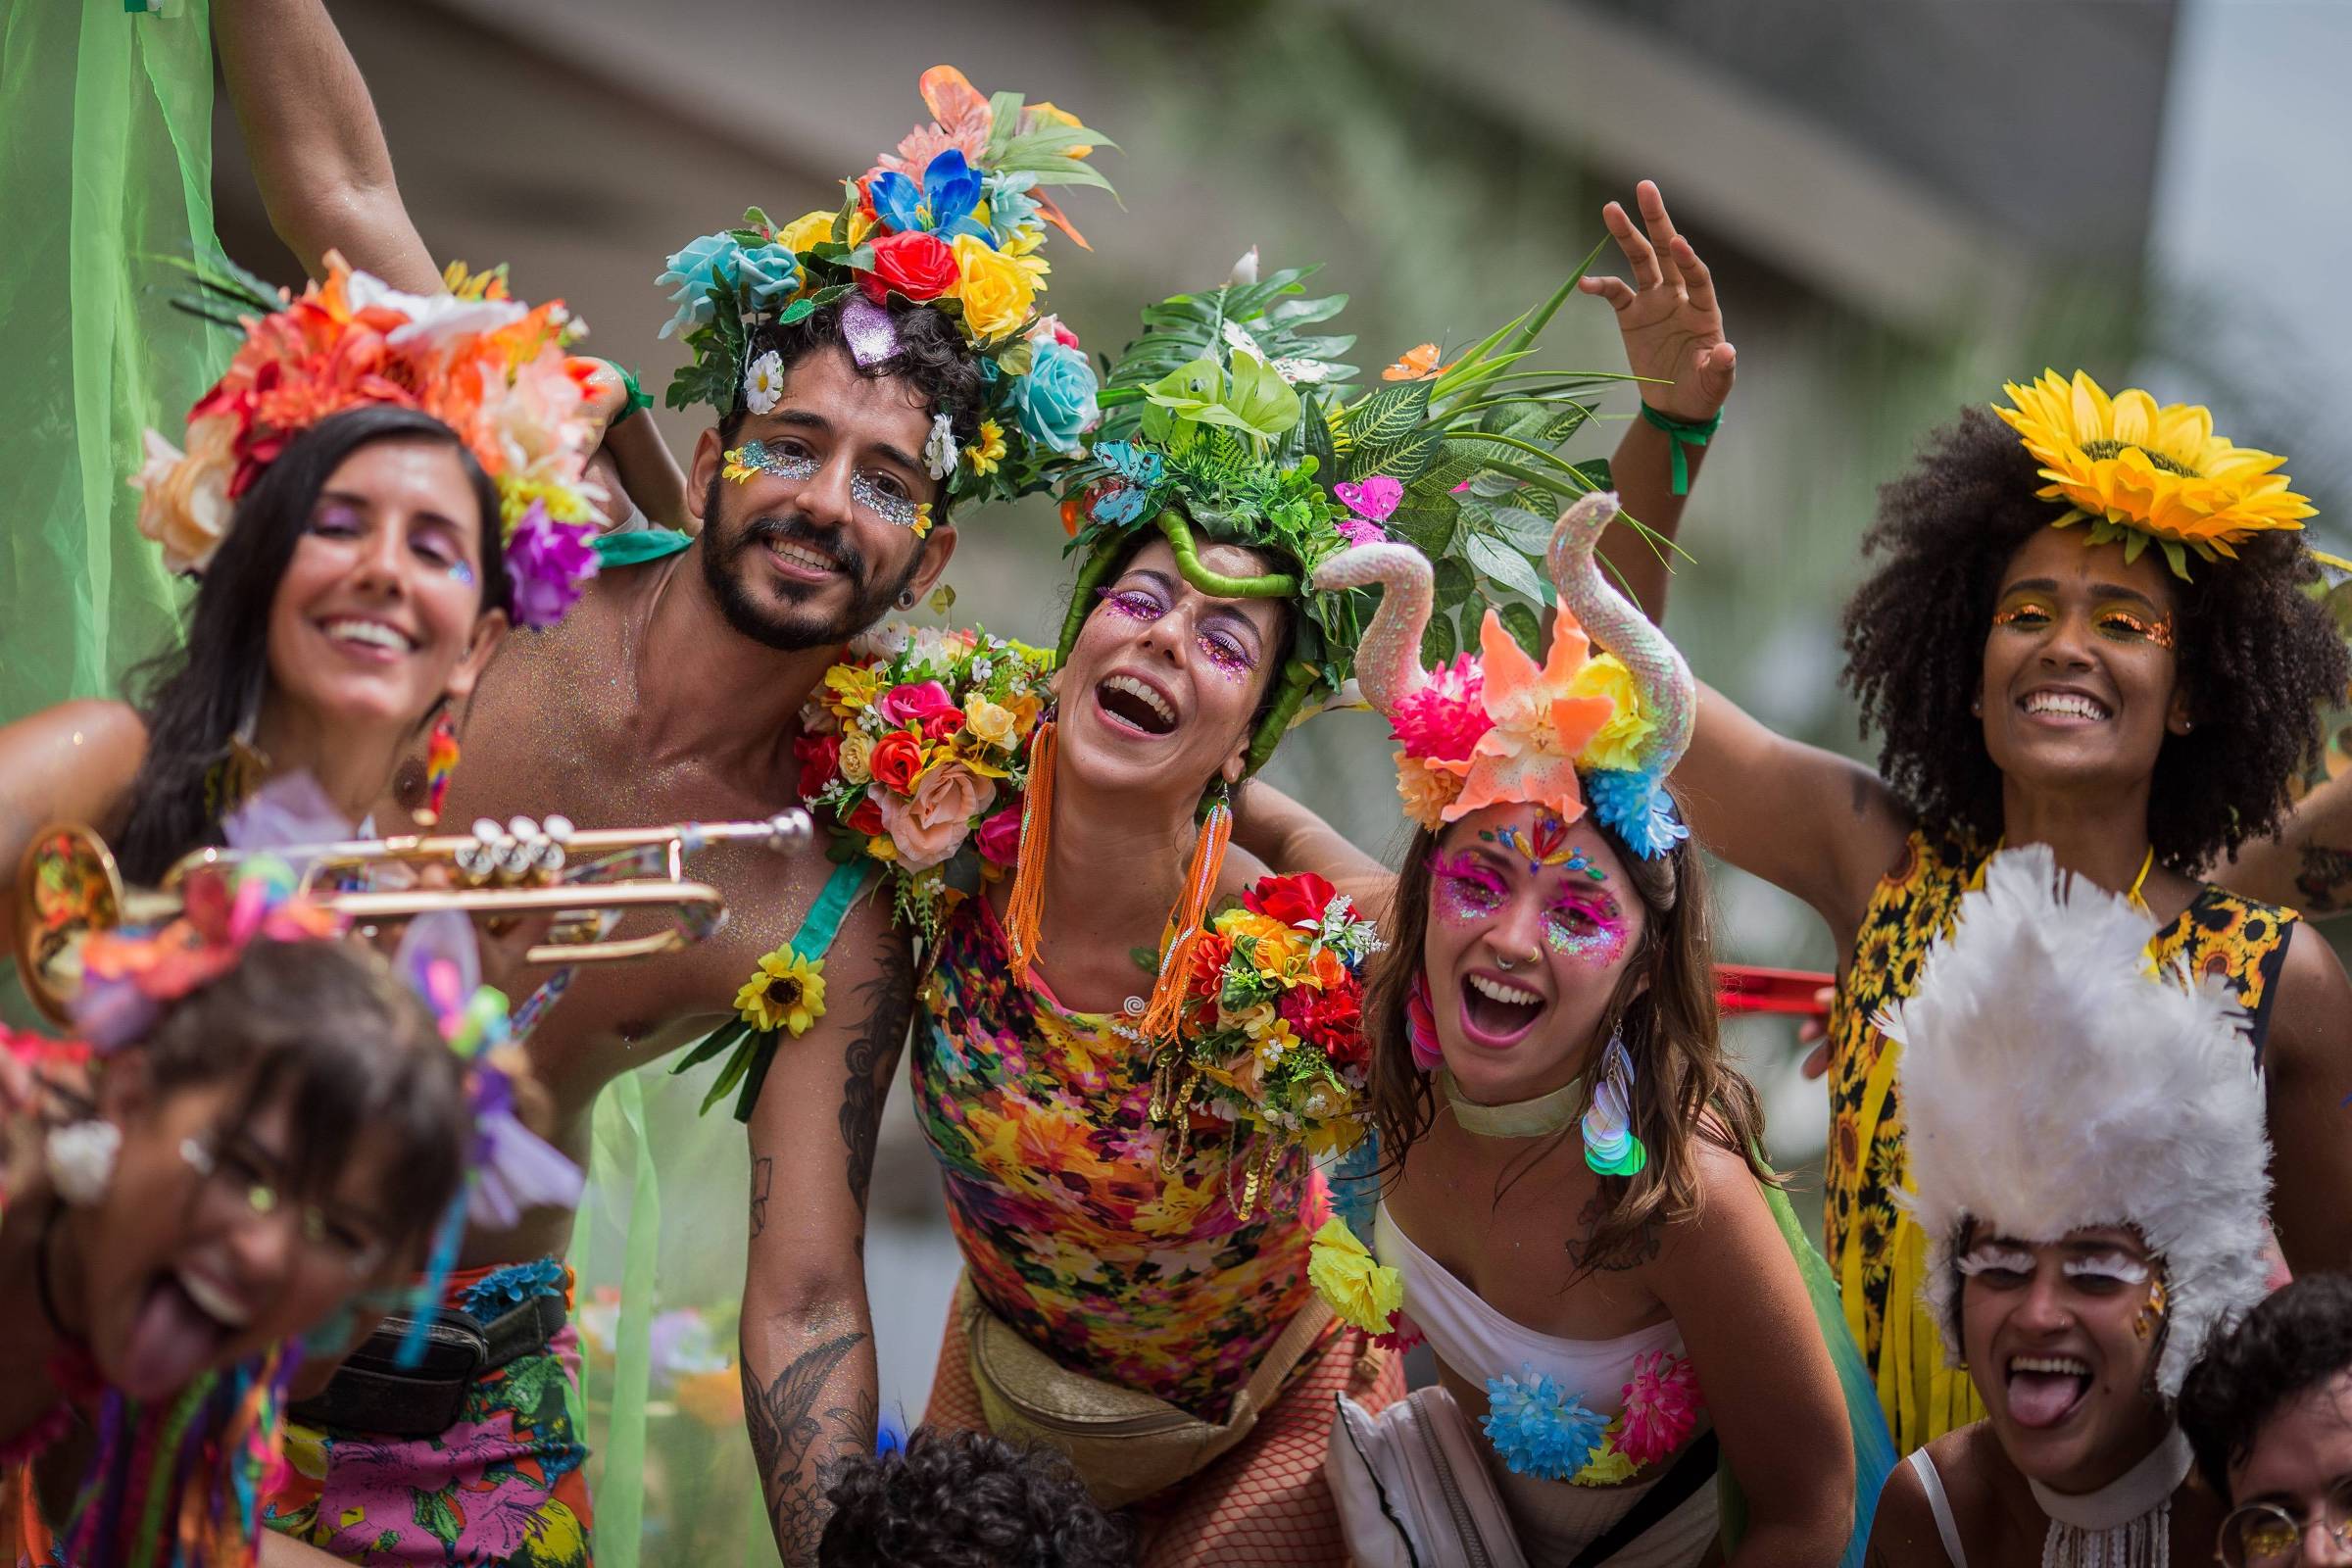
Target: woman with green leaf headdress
1125, 1076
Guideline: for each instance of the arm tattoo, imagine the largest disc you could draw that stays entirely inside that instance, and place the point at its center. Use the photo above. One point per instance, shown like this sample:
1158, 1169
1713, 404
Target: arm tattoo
764, 1175
1642, 1249
872, 1055
2326, 879
785, 1424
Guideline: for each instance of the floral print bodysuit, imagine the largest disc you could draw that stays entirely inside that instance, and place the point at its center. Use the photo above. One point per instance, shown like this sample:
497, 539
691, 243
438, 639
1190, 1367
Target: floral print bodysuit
1071, 1231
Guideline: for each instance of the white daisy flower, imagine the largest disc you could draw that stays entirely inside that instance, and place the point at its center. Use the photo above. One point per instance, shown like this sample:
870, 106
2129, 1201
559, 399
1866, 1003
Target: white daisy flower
763, 382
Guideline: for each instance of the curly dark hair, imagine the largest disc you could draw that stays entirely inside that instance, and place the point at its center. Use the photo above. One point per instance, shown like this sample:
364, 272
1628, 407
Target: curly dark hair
965, 1499
933, 361
2258, 655
2292, 1341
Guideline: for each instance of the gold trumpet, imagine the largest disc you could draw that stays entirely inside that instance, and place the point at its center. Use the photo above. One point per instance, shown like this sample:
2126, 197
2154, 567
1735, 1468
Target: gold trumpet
68, 886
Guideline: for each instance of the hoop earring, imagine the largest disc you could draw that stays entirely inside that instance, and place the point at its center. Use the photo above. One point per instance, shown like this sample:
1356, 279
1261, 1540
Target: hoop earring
905, 599
440, 760
80, 1160
1421, 1024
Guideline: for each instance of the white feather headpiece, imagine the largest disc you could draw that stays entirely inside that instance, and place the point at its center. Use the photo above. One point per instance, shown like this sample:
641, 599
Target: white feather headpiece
2051, 1081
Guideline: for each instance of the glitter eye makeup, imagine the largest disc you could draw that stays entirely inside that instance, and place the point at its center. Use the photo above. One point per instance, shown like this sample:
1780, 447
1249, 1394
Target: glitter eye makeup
2128, 626
1466, 890
1132, 603
2031, 614
2106, 1267
1224, 657
754, 458
1994, 1258
1584, 925
900, 511
462, 571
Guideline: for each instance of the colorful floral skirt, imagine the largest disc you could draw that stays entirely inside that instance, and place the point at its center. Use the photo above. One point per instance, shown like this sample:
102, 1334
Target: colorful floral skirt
504, 1486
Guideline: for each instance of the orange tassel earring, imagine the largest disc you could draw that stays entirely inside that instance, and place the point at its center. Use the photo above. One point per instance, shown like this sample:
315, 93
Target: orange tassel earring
1025, 904
1189, 921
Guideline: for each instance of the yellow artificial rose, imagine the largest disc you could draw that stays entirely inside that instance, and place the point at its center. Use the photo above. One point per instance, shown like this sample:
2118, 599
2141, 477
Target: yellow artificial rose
807, 230
996, 289
989, 721
861, 225
856, 755
1617, 745
881, 848
1342, 1270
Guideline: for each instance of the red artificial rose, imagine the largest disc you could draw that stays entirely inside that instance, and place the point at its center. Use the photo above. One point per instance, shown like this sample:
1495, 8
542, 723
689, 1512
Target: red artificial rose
819, 756
918, 266
897, 759
1331, 1019
1206, 977
942, 724
866, 819
1295, 901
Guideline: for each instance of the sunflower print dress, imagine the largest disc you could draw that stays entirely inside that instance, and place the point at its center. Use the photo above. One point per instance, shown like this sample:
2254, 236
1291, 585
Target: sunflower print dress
1875, 1249
1071, 1230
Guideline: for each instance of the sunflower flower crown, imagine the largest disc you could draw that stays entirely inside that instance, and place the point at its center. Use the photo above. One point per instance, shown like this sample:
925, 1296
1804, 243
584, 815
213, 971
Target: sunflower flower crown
2141, 472
1231, 421
492, 368
1498, 727
955, 220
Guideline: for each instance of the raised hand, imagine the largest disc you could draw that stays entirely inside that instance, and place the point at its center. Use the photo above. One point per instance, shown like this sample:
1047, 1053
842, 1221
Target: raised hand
1669, 319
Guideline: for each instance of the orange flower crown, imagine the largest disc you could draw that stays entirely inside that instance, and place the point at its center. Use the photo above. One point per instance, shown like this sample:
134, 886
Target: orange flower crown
490, 368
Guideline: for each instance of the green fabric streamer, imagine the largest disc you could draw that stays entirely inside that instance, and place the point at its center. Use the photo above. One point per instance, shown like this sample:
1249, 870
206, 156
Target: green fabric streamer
1686, 434
620, 1509
638, 546
105, 170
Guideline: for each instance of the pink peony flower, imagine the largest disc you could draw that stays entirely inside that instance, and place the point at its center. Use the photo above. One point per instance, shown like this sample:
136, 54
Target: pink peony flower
931, 825
1443, 722
1000, 837
914, 703
548, 566
1661, 1405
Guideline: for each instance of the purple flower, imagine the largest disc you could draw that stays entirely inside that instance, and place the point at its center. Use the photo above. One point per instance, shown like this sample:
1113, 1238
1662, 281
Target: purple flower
549, 565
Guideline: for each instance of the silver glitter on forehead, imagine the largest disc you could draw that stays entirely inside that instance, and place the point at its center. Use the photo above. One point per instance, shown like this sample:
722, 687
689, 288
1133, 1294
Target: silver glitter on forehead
898, 511
868, 330
783, 464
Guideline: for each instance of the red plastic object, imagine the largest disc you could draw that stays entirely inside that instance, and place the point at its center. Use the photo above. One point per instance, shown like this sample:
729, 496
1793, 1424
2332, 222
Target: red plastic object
1793, 993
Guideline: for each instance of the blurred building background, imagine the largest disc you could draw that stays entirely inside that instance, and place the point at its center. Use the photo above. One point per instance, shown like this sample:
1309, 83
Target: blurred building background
1903, 203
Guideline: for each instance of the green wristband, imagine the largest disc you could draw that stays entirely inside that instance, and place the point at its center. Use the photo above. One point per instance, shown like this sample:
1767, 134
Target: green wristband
1684, 433
637, 399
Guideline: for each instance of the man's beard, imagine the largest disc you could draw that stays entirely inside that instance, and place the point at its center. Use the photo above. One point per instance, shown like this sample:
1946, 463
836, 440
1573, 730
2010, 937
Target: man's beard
773, 620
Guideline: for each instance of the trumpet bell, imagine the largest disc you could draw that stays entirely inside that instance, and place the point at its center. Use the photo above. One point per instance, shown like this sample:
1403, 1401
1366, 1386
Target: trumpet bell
67, 886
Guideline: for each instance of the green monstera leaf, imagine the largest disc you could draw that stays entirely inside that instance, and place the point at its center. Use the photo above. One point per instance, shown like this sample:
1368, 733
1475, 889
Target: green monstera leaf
1252, 398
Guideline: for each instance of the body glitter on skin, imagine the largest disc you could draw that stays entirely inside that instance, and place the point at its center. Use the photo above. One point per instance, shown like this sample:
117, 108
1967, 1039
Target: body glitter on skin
1466, 890
1585, 924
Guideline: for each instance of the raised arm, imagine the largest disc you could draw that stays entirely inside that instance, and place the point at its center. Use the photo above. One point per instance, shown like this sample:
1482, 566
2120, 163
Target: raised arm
1673, 330
807, 1337
2307, 1078
317, 152
2308, 867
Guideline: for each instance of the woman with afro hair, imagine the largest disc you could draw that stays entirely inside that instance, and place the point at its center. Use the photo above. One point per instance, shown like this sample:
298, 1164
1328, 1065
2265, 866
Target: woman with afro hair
2088, 625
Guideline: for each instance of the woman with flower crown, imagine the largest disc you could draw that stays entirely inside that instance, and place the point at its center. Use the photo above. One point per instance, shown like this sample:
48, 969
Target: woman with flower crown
238, 1067
2089, 625
1620, 1328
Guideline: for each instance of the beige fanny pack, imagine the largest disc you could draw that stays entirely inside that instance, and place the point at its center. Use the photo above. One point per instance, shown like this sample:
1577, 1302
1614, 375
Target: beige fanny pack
1125, 1444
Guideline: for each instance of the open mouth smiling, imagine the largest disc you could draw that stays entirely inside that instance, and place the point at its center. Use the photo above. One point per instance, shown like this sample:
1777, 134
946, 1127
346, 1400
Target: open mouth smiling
1136, 705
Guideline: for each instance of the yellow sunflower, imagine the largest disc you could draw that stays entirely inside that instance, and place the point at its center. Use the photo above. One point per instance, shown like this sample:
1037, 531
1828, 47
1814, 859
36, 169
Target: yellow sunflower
2138, 472
787, 992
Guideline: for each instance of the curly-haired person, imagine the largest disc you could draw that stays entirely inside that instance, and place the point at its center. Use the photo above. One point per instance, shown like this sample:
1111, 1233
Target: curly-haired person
2089, 626
964, 1500
2269, 1414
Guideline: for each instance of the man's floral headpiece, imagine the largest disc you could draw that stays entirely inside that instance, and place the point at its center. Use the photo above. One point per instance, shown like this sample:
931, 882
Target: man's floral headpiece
2140, 473
1231, 422
1497, 728
954, 220
490, 368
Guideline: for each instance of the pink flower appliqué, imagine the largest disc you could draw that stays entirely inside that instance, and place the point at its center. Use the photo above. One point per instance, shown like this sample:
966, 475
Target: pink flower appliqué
1662, 1403
1442, 722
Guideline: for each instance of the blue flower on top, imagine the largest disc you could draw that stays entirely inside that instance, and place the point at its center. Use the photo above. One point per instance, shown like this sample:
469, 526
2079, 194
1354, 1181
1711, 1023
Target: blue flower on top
768, 277
1538, 1428
1637, 808
941, 205
702, 268
1054, 400
1010, 207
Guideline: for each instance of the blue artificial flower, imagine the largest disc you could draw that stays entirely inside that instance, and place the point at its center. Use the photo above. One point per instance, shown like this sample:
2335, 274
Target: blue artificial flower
1539, 1429
1120, 504
941, 205
1637, 808
1010, 207
702, 268
768, 277
501, 1290
1055, 399
1136, 465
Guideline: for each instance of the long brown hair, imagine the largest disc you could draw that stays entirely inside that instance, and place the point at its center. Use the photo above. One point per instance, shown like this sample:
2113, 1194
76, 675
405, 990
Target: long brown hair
1683, 1088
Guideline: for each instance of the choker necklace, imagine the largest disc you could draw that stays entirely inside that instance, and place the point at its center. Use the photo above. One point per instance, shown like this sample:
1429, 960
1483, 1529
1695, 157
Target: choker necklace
1521, 1118
2126, 1523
